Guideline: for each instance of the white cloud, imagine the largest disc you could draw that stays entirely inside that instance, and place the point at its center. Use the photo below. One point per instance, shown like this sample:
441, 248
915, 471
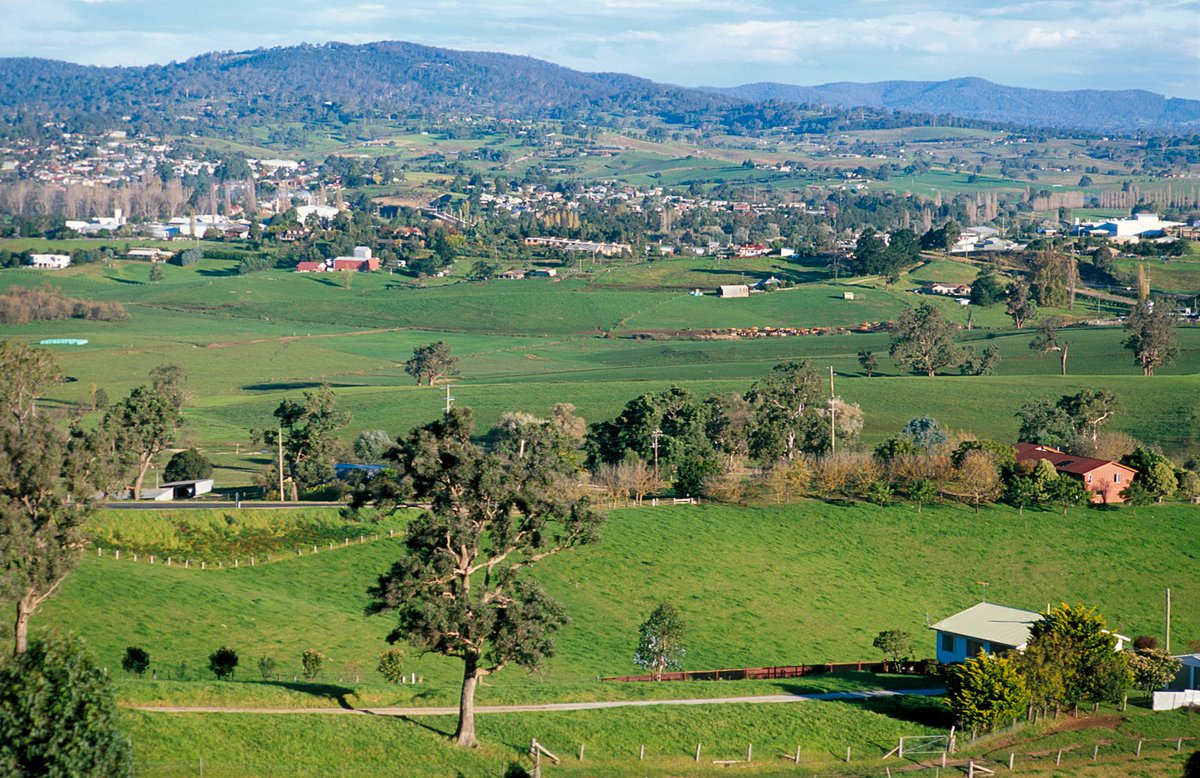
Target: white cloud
1038, 38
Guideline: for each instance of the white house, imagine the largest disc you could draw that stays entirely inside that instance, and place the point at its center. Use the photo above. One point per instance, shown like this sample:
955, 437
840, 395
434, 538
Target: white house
49, 261
987, 627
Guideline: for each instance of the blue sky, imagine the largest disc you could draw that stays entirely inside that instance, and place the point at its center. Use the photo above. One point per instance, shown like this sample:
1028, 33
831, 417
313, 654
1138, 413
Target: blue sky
1051, 44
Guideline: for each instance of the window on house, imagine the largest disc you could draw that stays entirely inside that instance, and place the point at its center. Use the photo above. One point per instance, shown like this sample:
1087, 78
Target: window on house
1089, 479
974, 647
1116, 478
947, 643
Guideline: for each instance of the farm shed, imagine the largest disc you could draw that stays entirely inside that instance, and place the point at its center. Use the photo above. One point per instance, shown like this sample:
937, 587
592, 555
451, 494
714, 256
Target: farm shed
734, 290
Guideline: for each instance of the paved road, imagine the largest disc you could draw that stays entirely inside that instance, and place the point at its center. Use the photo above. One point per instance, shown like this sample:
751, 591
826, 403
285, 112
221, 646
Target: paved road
175, 505
564, 706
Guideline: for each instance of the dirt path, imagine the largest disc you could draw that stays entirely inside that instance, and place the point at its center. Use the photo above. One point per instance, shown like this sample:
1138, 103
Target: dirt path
559, 706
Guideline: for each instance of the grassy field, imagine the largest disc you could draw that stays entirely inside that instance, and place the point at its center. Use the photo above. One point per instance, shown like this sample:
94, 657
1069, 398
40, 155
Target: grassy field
827, 579
249, 341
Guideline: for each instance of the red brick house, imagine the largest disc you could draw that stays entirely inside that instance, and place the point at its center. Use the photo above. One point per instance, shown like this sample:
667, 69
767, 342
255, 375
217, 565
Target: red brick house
1104, 479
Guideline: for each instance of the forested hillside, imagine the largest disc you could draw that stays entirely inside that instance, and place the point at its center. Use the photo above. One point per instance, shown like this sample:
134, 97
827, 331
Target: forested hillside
221, 92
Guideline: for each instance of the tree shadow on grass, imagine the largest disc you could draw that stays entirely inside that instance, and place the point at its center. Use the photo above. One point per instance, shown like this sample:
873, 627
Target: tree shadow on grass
221, 273
926, 711
326, 690
291, 386
420, 724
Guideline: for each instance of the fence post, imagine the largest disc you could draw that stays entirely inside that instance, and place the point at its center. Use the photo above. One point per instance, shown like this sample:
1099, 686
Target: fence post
581, 752
697, 752
1011, 756
1178, 744
847, 754
1139, 748
797, 759
1095, 751
1058, 759
750, 752
117, 554
642, 753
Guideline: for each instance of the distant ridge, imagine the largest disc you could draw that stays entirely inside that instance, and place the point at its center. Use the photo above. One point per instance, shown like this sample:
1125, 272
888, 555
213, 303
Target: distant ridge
221, 92
977, 98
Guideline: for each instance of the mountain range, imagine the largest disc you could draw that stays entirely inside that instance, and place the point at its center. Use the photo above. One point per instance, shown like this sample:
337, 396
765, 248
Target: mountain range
976, 98
223, 91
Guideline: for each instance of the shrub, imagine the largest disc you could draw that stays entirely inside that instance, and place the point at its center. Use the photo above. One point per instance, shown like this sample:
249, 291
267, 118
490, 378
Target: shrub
189, 257
266, 666
136, 660
391, 665
223, 662
312, 660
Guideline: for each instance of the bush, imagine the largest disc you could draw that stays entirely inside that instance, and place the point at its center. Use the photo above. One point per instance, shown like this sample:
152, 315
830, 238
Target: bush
189, 257
136, 661
187, 465
312, 660
266, 666
692, 475
58, 715
223, 662
391, 665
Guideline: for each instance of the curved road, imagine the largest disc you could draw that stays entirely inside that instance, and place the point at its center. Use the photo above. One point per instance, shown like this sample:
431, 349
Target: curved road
560, 706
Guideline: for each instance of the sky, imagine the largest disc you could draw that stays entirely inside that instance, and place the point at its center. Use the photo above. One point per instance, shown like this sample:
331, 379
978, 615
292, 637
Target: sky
1048, 44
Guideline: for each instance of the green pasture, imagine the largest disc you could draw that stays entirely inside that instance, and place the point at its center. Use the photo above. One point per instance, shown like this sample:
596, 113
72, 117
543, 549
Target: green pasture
807, 583
242, 745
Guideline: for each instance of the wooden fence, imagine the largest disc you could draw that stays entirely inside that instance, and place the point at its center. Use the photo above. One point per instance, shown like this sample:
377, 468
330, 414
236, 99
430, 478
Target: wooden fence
767, 673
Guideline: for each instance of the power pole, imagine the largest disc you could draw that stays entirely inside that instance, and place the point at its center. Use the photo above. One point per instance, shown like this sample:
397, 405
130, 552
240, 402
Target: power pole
1168, 621
279, 440
449, 399
832, 426
654, 442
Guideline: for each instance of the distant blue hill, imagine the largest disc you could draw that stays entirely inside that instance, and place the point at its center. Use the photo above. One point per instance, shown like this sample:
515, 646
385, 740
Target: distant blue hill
976, 98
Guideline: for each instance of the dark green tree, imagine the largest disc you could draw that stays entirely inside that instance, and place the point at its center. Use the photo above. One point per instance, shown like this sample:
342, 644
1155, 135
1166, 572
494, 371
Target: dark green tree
1067, 492
460, 588
40, 536
1150, 335
868, 362
431, 362
923, 340
922, 491
786, 419
672, 421
1047, 340
661, 641
987, 289
308, 443
187, 465
58, 716
1021, 305
142, 426
1094, 668
985, 691
136, 661
223, 662
896, 644
1045, 423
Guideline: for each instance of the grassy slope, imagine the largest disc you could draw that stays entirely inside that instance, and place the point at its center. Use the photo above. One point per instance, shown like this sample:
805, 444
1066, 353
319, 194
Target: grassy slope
826, 579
